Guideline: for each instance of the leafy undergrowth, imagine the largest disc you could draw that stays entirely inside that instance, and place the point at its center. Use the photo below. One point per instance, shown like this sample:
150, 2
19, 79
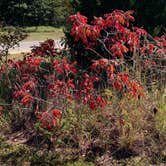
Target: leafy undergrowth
100, 101
124, 134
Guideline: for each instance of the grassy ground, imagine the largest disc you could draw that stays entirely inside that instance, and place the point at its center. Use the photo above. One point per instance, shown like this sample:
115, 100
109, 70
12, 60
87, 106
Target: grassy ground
42, 29
94, 138
41, 33
44, 36
17, 56
22, 155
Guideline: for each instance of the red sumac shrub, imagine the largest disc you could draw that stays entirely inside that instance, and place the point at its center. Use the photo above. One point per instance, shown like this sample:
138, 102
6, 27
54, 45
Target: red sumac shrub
113, 37
46, 84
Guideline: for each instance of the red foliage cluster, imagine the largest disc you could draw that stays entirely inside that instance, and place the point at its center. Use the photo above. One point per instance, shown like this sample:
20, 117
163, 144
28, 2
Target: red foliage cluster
83, 31
48, 120
40, 79
86, 93
161, 41
132, 87
63, 67
45, 49
119, 81
117, 23
116, 33
59, 79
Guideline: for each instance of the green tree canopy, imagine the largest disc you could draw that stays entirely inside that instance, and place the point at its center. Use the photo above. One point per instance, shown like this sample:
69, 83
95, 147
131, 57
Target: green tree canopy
34, 12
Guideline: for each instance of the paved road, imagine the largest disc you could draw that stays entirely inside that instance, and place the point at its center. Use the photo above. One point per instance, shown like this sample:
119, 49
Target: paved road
27, 46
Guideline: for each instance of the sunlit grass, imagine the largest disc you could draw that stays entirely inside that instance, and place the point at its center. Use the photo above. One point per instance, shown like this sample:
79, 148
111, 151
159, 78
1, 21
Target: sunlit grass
40, 33
44, 36
41, 29
161, 114
17, 56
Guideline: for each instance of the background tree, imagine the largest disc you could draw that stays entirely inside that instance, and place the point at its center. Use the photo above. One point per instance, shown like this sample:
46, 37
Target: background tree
34, 12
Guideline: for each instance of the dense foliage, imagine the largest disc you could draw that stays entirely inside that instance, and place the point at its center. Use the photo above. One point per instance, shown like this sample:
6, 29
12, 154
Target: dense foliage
54, 12
45, 85
114, 38
150, 14
34, 12
87, 103
54, 83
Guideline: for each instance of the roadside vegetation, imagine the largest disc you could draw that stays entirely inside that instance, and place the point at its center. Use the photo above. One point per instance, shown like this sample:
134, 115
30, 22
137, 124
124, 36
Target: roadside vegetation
98, 101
